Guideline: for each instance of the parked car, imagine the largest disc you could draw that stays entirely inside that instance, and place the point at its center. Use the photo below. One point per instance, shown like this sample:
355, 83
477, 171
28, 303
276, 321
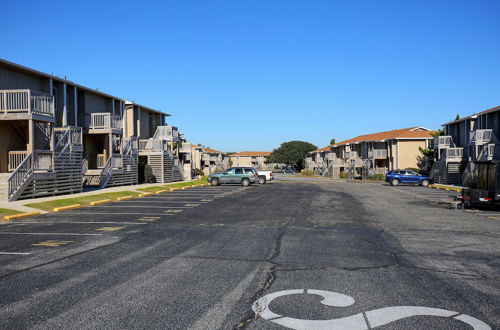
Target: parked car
243, 175
395, 177
288, 170
265, 176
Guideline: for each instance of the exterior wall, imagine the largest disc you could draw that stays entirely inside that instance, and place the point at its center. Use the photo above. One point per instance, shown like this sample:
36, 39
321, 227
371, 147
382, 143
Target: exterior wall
130, 122
241, 160
144, 126
408, 153
9, 141
95, 103
12, 79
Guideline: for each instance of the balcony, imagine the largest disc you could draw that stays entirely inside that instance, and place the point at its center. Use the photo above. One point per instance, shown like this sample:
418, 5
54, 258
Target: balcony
352, 155
186, 148
377, 154
487, 152
453, 154
23, 104
153, 145
168, 133
443, 142
480, 136
102, 122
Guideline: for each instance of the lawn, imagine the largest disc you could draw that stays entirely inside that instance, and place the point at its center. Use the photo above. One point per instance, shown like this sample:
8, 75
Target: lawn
174, 185
83, 200
8, 212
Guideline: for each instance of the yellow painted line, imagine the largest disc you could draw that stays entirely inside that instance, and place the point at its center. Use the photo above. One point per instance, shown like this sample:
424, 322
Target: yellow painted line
52, 243
145, 194
21, 215
103, 201
175, 189
64, 208
494, 218
110, 228
173, 211
192, 205
123, 198
162, 191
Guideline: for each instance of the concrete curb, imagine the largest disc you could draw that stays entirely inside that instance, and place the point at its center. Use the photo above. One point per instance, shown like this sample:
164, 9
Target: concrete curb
21, 215
145, 194
65, 208
124, 198
162, 191
446, 187
103, 201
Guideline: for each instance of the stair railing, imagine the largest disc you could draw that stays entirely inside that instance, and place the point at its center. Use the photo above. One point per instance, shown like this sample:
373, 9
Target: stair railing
106, 173
20, 175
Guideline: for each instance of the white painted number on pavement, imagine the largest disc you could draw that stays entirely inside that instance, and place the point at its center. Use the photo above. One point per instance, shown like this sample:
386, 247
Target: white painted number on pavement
375, 318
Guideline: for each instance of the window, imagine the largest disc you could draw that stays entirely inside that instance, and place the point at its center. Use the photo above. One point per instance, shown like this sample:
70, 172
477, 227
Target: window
248, 171
230, 171
239, 171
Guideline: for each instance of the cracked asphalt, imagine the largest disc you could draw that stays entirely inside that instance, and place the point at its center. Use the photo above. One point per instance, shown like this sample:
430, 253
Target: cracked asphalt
204, 266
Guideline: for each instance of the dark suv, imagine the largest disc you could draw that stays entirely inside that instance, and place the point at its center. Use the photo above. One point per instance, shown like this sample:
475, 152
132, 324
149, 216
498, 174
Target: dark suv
243, 175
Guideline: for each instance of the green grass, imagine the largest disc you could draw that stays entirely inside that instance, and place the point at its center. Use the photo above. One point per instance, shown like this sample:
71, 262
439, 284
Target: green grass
174, 185
8, 212
48, 206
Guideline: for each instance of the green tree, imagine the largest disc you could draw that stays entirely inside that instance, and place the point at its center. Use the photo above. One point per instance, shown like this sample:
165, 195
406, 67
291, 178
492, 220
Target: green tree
332, 141
291, 153
457, 117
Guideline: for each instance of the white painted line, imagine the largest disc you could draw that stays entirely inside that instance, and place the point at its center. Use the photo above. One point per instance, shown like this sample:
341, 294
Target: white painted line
51, 234
16, 253
76, 222
145, 207
115, 213
163, 202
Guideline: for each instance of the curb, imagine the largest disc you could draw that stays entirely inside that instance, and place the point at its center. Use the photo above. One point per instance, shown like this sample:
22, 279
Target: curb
21, 215
162, 191
124, 198
175, 189
64, 208
103, 201
438, 186
145, 194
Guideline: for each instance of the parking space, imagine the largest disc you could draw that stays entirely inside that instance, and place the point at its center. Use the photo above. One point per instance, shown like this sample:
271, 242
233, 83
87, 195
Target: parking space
26, 240
428, 194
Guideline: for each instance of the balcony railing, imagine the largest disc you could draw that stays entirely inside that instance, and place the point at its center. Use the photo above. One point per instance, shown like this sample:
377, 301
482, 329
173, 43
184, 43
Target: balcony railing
169, 133
26, 102
116, 162
441, 142
480, 136
353, 155
377, 153
330, 156
453, 154
16, 158
102, 121
153, 145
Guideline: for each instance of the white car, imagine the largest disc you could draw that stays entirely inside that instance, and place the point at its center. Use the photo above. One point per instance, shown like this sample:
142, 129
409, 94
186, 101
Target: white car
264, 176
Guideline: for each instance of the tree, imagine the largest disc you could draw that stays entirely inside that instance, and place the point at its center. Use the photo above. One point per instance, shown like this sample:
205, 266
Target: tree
332, 141
291, 153
457, 117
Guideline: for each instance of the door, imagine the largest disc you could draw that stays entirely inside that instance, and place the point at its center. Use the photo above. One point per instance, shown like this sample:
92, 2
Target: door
238, 175
227, 175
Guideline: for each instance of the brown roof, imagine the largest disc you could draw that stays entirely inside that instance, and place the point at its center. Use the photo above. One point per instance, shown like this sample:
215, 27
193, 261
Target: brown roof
405, 133
476, 114
252, 153
213, 151
327, 148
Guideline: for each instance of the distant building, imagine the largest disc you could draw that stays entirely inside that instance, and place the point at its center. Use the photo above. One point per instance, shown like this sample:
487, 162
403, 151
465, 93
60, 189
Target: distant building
255, 159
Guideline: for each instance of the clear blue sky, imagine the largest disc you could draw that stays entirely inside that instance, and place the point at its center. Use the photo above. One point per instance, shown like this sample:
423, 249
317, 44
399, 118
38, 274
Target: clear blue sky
250, 74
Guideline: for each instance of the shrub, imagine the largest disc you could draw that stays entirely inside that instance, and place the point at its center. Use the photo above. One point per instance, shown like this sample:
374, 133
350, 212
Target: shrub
197, 171
276, 167
344, 175
148, 174
377, 176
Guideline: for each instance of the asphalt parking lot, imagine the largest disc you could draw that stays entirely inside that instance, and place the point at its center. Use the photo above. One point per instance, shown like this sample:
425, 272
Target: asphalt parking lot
292, 254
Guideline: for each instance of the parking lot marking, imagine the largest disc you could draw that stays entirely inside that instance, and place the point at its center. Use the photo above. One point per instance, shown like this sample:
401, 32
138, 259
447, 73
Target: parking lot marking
192, 205
15, 253
167, 201
173, 211
76, 222
114, 213
149, 218
206, 200
110, 228
52, 243
49, 234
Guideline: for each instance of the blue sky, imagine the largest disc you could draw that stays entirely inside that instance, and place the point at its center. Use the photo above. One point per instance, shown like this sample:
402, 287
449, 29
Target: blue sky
250, 74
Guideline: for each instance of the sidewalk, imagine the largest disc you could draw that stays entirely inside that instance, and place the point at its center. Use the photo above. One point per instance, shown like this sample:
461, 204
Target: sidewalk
21, 204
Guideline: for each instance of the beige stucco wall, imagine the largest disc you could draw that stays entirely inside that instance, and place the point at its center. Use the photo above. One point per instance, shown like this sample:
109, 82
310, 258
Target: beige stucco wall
241, 160
406, 152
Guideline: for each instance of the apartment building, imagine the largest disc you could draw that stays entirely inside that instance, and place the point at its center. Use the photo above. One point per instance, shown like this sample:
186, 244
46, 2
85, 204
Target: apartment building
468, 139
57, 136
379, 152
212, 161
319, 161
257, 159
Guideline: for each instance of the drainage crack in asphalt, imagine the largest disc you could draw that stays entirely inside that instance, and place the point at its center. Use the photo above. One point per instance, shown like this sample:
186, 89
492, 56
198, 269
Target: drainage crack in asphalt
271, 277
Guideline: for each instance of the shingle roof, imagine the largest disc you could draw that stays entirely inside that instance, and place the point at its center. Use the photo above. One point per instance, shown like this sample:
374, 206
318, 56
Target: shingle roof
210, 150
252, 153
476, 114
405, 133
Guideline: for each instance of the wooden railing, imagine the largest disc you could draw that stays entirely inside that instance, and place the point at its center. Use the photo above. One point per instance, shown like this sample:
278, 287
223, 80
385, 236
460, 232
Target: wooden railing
377, 153
153, 145
480, 136
26, 101
102, 120
101, 161
453, 154
116, 162
353, 155
170, 133
441, 142
34, 162
66, 136
16, 158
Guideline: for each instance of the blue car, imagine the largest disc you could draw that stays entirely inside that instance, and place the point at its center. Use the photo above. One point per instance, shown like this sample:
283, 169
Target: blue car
408, 177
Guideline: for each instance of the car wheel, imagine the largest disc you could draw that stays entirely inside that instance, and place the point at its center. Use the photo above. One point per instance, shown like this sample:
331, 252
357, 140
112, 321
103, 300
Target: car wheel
394, 182
245, 182
214, 182
424, 183
262, 179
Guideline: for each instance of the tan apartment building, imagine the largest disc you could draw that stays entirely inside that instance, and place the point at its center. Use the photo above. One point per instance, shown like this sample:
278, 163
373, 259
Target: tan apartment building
213, 161
379, 152
257, 159
57, 136
319, 161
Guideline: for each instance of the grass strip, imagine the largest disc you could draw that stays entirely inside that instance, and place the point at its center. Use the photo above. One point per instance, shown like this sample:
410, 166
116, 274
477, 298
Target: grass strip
83, 200
9, 212
155, 189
